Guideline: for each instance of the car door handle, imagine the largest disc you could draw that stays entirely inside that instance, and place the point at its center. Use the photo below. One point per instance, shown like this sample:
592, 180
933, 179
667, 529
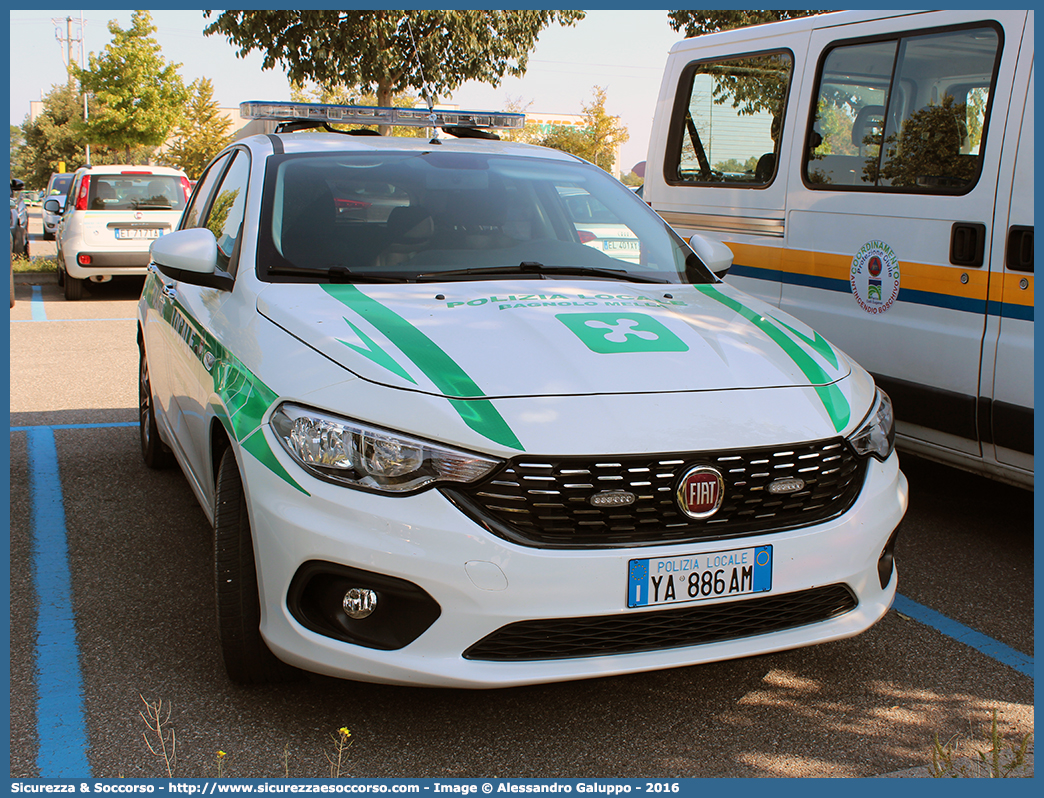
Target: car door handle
1020, 248
967, 244
170, 291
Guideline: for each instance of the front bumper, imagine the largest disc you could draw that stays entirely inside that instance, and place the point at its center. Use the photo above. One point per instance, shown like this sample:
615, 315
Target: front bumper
482, 583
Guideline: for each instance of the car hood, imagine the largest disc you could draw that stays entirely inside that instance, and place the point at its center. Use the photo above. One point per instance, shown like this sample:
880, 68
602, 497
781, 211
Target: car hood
549, 338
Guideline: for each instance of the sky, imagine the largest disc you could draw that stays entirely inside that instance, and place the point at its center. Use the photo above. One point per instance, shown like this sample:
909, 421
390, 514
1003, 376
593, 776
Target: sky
624, 52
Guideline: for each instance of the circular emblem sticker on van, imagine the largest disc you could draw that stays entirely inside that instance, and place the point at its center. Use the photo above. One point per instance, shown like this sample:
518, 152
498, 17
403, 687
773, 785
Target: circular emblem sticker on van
875, 277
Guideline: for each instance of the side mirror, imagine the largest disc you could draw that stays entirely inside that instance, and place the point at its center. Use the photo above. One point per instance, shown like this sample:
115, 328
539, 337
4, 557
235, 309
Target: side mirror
714, 254
190, 256
52, 206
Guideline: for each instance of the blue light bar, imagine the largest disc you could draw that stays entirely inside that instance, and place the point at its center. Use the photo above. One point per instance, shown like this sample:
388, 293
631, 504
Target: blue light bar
375, 115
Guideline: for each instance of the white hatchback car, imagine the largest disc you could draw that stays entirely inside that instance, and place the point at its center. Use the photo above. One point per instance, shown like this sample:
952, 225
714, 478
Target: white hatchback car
444, 442
112, 214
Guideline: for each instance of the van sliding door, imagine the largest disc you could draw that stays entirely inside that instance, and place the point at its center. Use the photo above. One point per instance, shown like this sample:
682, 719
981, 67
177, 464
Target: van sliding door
888, 235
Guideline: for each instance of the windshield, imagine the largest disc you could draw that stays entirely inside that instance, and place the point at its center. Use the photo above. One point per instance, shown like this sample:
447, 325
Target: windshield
60, 184
135, 192
432, 215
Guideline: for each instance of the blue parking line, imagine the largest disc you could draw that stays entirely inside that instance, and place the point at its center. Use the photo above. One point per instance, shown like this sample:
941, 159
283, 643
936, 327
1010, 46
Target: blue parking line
57, 321
78, 426
60, 718
36, 303
965, 634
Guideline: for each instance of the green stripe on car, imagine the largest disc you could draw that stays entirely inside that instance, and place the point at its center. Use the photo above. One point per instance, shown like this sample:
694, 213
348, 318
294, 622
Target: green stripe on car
466, 398
245, 399
830, 395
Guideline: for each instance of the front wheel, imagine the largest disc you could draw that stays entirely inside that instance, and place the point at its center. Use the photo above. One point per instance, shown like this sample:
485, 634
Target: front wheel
154, 451
247, 657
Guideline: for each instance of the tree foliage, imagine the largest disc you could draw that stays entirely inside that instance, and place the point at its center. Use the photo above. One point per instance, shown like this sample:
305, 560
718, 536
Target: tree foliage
927, 154
698, 23
53, 137
138, 96
596, 140
201, 133
343, 95
752, 84
530, 133
388, 52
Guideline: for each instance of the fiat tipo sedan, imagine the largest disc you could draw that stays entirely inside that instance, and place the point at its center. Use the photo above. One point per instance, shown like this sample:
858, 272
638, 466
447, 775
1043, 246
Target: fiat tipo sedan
443, 440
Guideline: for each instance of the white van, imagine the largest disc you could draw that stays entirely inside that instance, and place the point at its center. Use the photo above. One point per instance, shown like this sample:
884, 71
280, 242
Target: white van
873, 175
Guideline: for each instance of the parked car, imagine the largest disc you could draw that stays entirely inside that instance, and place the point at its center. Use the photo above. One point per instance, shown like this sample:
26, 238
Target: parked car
443, 441
112, 215
57, 189
19, 220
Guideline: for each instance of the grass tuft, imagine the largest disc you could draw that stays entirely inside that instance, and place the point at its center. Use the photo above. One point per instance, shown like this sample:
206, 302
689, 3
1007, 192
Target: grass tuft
999, 759
20, 264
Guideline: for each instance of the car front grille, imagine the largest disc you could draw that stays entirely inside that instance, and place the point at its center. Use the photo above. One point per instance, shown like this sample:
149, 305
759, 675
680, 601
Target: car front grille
547, 502
627, 633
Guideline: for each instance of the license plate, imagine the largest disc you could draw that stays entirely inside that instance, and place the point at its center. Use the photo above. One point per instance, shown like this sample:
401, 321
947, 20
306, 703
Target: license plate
718, 574
631, 246
124, 233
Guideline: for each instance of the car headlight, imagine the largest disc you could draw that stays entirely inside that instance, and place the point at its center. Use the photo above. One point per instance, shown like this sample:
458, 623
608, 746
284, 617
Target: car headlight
876, 435
360, 456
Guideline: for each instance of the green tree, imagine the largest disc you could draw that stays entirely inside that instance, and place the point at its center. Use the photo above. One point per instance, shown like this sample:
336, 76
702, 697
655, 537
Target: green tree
927, 154
201, 133
530, 132
56, 135
390, 52
698, 23
139, 97
17, 153
631, 179
605, 131
596, 140
342, 95
568, 139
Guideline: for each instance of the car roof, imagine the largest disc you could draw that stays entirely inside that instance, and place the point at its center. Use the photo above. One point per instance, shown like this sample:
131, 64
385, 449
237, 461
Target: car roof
304, 142
131, 168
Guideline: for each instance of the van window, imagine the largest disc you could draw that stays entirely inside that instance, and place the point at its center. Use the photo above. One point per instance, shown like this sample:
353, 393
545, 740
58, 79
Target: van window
727, 126
903, 114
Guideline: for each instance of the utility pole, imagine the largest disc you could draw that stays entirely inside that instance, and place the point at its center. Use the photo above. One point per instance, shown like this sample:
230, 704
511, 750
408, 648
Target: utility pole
67, 57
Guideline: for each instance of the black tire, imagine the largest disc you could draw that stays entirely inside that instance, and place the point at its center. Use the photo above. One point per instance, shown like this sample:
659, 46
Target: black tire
247, 658
20, 247
73, 288
154, 451
48, 236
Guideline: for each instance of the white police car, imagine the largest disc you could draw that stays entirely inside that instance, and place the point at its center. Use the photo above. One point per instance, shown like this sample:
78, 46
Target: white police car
445, 442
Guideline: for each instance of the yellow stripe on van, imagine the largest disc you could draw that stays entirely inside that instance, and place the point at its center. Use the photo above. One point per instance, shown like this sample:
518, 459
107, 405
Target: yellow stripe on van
922, 282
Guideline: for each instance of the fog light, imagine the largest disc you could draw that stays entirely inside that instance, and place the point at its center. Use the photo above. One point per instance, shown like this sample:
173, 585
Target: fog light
84, 260
359, 603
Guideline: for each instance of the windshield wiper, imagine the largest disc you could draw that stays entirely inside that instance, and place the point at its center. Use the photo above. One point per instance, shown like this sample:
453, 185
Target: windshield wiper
335, 274
529, 268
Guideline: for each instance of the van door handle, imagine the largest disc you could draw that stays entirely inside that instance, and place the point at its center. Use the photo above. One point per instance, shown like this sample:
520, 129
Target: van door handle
170, 291
1019, 256
967, 244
